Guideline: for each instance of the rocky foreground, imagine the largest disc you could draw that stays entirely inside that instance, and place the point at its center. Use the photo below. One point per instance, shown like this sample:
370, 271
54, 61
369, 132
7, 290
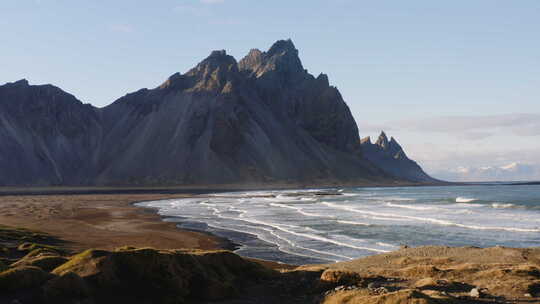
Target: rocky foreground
36, 268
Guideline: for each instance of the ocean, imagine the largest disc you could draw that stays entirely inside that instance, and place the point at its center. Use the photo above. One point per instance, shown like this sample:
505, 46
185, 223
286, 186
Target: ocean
340, 224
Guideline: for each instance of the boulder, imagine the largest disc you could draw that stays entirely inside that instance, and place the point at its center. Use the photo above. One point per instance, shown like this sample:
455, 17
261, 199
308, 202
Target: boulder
475, 293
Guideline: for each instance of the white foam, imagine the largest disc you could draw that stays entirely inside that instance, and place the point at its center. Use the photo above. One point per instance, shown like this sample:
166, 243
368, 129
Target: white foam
434, 221
413, 207
299, 210
386, 245
469, 205
289, 242
261, 214
290, 230
327, 240
353, 223
465, 200
502, 206
497, 228
398, 198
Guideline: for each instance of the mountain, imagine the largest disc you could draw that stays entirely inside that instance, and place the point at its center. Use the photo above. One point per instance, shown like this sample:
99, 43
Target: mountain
262, 119
47, 136
390, 157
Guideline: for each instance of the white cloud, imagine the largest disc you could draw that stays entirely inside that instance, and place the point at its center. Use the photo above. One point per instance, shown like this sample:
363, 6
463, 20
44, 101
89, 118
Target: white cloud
514, 171
443, 144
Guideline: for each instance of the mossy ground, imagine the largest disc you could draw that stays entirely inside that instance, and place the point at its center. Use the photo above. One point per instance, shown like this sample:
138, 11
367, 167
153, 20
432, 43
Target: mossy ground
34, 268
17, 242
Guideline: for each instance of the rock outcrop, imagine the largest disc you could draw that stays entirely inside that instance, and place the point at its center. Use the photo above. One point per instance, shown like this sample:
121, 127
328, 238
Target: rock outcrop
437, 274
390, 157
264, 119
130, 275
429, 274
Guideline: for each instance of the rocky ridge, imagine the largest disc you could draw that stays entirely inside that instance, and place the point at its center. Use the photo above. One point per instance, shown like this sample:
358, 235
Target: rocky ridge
391, 158
263, 119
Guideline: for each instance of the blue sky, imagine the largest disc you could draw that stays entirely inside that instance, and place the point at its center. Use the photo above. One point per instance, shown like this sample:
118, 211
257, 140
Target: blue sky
456, 82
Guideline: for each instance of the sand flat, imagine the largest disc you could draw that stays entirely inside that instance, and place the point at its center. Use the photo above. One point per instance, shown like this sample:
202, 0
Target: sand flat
102, 221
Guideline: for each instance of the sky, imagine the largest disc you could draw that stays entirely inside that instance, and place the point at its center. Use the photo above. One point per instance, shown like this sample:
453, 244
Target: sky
457, 83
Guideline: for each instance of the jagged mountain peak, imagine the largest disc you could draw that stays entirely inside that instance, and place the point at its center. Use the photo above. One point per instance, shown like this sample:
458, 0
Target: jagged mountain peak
323, 80
214, 72
263, 119
391, 146
382, 141
251, 61
281, 61
390, 156
366, 140
254, 53
281, 46
216, 59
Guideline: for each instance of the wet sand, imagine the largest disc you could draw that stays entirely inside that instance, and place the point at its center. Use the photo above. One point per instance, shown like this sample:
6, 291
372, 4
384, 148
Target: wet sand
105, 217
103, 221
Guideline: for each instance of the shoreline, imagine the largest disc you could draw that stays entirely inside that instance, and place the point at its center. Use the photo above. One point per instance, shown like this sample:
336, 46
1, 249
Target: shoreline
223, 243
89, 217
199, 189
438, 273
186, 224
104, 221
213, 188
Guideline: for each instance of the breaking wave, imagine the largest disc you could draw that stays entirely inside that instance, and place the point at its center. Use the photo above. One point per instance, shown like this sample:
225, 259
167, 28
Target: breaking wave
465, 200
320, 226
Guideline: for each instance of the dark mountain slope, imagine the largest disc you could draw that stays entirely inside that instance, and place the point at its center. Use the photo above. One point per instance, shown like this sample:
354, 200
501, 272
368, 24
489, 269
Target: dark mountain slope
263, 119
47, 136
390, 157
288, 88
213, 125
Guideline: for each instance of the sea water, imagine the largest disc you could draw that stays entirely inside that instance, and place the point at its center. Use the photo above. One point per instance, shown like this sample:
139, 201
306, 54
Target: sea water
329, 225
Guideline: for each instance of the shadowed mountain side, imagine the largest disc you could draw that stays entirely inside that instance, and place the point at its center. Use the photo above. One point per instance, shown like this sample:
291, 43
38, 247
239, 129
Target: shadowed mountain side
211, 125
47, 136
264, 120
390, 157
